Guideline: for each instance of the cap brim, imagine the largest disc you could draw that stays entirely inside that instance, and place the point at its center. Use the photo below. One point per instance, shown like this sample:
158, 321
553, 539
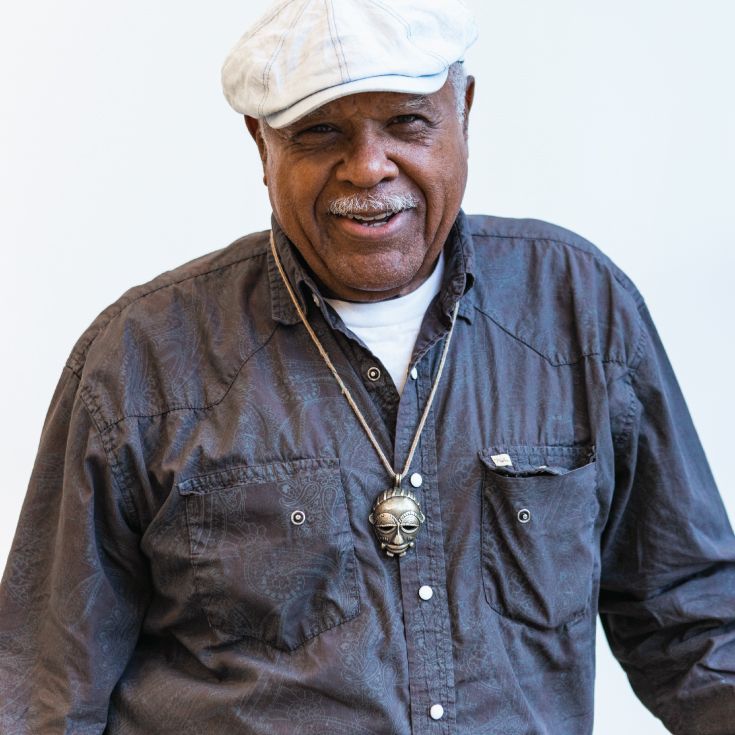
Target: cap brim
391, 83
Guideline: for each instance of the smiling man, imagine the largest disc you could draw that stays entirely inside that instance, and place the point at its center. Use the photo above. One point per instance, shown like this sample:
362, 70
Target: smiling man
368, 186
378, 469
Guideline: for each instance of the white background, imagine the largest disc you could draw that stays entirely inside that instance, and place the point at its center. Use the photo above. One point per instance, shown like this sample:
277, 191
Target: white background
119, 159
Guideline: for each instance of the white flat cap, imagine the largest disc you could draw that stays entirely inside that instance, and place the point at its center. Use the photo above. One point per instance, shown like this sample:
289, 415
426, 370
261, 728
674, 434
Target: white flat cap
304, 53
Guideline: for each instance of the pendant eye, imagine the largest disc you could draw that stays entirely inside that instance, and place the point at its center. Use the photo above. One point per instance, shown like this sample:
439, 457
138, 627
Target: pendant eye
410, 522
386, 524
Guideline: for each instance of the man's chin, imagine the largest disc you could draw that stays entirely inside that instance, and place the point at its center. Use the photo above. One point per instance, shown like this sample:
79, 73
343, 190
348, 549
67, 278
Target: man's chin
376, 277
365, 263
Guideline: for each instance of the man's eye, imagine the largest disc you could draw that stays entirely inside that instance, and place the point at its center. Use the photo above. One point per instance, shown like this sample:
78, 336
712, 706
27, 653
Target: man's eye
324, 128
406, 119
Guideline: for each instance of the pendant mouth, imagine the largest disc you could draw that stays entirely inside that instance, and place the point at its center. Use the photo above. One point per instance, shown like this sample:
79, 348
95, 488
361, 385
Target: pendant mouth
396, 550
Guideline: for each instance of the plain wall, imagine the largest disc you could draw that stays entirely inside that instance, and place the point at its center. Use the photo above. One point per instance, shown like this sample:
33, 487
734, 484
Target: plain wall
119, 159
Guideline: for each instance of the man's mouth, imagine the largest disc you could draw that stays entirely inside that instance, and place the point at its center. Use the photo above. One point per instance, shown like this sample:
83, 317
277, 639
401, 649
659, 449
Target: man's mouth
368, 220
372, 211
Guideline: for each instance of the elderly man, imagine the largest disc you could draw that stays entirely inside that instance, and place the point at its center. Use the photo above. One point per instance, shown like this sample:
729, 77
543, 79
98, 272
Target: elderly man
374, 471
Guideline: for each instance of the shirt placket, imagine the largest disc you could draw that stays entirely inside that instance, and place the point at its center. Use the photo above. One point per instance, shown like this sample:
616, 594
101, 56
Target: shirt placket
423, 573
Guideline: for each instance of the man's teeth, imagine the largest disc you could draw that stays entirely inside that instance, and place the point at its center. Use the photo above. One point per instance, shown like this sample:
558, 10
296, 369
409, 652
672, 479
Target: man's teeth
377, 220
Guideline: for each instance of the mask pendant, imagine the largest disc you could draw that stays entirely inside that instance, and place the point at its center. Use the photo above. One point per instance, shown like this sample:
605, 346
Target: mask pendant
396, 520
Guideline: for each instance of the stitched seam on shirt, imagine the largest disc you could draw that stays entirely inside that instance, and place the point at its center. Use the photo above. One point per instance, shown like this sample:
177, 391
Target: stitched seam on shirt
115, 470
74, 372
194, 566
434, 553
628, 423
640, 348
196, 408
568, 244
540, 354
604, 360
242, 474
80, 354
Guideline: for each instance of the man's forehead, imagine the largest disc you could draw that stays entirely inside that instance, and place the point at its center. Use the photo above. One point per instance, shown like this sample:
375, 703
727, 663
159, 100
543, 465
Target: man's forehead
381, 103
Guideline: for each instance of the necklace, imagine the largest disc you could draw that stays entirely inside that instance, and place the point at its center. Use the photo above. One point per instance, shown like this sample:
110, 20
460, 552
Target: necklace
396, 514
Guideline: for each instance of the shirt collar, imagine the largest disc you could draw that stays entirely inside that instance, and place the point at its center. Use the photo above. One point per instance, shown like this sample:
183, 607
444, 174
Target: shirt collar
459, 273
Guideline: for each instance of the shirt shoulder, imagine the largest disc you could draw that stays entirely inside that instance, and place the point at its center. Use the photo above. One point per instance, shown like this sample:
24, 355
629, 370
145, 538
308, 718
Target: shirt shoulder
555, 291
179, 340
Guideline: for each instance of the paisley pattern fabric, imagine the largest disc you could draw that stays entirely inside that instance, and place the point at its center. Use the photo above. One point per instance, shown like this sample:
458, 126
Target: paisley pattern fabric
262, 573
194, 554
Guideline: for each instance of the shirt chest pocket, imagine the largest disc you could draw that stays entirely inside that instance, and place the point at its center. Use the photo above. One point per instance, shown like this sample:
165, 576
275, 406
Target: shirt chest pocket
539, 509
272, 551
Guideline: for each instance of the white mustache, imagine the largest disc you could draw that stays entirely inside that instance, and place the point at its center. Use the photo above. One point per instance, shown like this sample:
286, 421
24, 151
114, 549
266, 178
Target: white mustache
359, 204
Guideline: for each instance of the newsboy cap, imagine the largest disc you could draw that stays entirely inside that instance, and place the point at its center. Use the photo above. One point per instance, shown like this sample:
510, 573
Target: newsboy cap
304, 53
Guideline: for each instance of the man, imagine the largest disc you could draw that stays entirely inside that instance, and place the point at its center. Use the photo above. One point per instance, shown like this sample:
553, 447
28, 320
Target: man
375, 471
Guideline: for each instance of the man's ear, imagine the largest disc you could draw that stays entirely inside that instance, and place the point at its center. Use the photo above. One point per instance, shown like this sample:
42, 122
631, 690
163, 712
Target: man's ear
255, 129
469, 97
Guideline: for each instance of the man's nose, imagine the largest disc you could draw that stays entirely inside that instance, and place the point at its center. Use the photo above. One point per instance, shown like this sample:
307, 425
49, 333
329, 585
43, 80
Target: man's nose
366, 163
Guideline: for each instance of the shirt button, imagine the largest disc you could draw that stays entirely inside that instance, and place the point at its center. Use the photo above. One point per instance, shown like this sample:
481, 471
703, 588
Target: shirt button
426, 593
316, 299
414, 374
373, 373
298, 517
416, 480
436, 712
524, 515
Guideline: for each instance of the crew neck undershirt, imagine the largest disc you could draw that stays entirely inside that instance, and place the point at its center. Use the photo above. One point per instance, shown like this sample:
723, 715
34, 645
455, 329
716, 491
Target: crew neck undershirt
390, 328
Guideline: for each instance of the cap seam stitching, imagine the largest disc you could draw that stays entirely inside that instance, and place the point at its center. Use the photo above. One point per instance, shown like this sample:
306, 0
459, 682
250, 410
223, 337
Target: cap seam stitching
338, 50
272, 60
409, 35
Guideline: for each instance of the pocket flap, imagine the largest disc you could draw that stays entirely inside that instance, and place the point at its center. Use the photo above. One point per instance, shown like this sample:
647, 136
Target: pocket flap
513, 460
253, 475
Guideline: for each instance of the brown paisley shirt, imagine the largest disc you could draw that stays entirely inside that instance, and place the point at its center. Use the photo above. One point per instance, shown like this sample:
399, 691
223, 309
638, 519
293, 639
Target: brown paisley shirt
194, 554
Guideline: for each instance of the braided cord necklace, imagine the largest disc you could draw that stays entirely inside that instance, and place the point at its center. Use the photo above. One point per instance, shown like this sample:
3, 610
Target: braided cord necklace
396, 515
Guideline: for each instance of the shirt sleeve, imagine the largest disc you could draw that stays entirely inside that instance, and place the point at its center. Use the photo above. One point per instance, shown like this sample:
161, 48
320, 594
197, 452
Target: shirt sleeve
75, 587
667, 599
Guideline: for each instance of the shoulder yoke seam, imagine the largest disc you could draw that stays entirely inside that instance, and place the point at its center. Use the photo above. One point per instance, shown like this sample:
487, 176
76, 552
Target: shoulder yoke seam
74, 372
560, 242
110, 424
112, 462
531, 347
604, 360
81, 353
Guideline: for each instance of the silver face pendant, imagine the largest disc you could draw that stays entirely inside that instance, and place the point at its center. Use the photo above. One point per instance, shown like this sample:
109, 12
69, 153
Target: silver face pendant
396, 520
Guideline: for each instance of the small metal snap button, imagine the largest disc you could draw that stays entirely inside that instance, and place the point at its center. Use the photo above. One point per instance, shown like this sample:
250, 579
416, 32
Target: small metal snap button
373, 373
298, 517
414, 374
524, 515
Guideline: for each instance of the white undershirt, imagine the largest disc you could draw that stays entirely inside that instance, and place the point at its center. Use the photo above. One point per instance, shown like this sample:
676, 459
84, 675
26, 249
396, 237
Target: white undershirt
389, 328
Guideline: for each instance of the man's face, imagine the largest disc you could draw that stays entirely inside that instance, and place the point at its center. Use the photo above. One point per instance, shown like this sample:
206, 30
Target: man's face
366, 156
